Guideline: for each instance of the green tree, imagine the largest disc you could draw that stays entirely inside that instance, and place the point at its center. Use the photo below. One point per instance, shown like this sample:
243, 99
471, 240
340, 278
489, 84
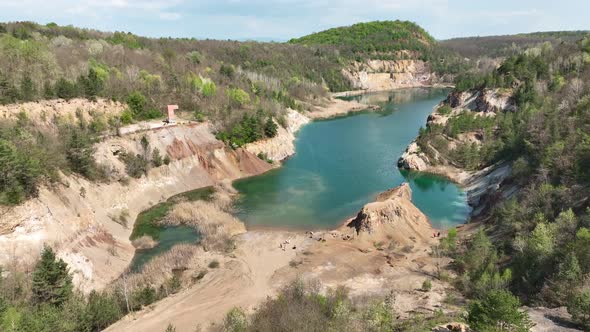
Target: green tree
137, 103
27, 88
80, 153
101, 311
52, 283
499, 310
579, 307
238, 97
157, 158
270, 128
91, 84
65, 89
48, 92
19, 173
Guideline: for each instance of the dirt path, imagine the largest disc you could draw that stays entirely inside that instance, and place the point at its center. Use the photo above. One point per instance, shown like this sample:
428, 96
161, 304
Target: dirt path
259, 267
242, 281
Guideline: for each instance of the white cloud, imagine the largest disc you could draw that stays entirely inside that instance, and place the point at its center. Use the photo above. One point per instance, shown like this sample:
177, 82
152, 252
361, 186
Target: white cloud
169, 16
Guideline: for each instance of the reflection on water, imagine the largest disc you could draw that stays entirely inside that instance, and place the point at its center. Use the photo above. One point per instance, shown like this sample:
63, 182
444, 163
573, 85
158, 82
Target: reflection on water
341, 164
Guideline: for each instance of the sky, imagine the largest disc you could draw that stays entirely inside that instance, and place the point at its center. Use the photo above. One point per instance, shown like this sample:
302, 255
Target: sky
281, 20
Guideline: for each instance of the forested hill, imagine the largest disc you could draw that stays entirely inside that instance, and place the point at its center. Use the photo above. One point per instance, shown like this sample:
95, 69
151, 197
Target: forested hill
507, 45
378, 36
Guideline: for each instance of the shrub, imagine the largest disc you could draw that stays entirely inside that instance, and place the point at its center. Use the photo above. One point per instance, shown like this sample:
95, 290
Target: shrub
227, 71
126, 117
426, 285
235, 321
214, 264
65, 89
135, 165
136, 102
157, 160
195, 57
199, 116
579, 308
238, 97
445, 110
498, 311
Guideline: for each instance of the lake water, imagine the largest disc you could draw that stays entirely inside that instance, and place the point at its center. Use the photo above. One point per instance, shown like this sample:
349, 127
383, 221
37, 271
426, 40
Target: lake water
342, 164
169, 237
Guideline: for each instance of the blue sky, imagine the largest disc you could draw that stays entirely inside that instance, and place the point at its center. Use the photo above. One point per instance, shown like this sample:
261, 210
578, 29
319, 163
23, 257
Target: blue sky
283, 19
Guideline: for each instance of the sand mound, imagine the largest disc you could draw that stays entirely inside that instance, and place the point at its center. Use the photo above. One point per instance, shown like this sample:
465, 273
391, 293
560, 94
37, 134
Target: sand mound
393, 216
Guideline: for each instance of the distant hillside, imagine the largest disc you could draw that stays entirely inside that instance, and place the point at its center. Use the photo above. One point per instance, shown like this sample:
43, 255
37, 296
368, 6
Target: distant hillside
378, 36
501, 46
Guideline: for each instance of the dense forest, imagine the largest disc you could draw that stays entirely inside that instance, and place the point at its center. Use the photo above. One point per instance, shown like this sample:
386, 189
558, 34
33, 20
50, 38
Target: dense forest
503, 46
536, 245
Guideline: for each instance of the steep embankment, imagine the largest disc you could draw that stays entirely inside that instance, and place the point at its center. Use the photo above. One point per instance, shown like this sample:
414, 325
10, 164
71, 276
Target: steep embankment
383, 75
89, 223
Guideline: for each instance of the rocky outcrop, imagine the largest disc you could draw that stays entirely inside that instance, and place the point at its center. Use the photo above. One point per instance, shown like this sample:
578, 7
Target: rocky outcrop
381, 75
282, 145
393, 216
413, 159
486, 100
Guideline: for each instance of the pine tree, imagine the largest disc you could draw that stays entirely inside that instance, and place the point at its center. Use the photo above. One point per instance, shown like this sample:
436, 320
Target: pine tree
27, 88
48, 92
101, 311
270, 128
156, 158
498, 311
52, 283
92, 84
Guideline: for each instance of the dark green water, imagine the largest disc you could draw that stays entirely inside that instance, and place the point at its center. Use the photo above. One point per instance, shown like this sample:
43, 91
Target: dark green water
169, 237
148, 223
341, 164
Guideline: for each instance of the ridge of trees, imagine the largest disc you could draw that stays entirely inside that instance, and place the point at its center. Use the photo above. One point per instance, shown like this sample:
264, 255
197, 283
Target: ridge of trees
542, 253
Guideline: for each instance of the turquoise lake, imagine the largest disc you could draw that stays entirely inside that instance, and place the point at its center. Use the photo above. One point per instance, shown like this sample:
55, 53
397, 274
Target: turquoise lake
342, 164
